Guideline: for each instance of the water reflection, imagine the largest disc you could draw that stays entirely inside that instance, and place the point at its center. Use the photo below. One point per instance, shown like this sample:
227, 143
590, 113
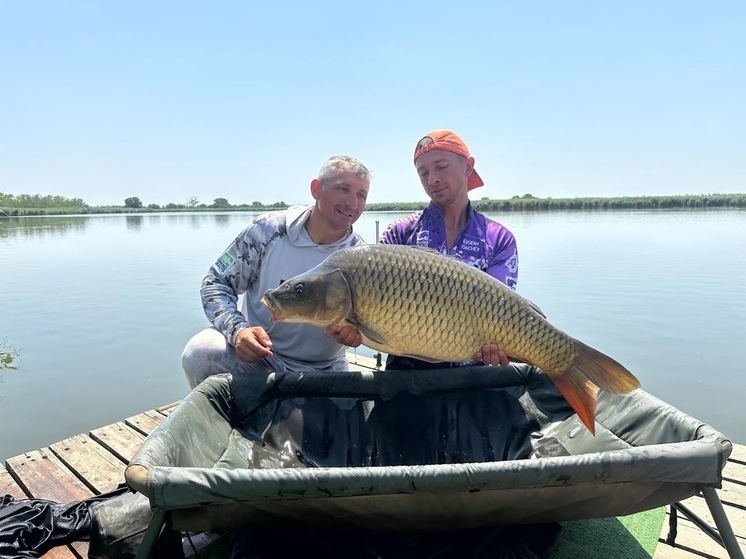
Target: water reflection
222, 221
213, 221
41, 226
176, 219
134, 222
29, 227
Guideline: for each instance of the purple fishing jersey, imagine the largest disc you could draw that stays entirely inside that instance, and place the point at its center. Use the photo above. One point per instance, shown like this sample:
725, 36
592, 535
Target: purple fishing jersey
483, 243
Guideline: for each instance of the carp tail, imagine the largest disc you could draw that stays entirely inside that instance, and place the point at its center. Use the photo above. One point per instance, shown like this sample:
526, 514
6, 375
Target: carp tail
603, 371
591, 370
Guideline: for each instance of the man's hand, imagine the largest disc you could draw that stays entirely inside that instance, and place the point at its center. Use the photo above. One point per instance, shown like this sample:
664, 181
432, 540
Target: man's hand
252, 344
492, 355
345, 335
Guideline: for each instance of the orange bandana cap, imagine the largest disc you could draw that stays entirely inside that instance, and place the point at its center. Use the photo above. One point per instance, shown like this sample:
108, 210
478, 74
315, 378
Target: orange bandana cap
447, 140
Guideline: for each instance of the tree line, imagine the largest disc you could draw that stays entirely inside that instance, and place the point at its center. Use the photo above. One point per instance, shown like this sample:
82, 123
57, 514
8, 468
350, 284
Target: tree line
39, 201
35, 204
193, 202
528, 202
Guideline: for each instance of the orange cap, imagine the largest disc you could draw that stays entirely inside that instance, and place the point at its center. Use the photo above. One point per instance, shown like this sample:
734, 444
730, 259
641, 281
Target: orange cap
447, 140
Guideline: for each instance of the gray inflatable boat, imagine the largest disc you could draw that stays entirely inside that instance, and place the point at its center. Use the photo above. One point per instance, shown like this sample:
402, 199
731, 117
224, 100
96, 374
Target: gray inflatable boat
416, 450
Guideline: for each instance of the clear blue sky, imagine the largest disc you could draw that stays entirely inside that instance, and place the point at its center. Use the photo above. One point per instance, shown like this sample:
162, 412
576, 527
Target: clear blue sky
166, 100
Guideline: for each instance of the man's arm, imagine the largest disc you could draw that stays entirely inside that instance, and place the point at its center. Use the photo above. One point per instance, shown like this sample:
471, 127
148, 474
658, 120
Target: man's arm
401, 232
228, 278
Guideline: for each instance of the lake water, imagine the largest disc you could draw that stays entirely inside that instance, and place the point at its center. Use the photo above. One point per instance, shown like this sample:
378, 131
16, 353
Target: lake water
100, 307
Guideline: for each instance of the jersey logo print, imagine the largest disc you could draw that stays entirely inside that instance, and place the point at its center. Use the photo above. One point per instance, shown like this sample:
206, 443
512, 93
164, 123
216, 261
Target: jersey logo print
224, 262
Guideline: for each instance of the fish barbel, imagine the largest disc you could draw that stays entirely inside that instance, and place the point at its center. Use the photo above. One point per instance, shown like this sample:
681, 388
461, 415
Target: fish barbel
415, 302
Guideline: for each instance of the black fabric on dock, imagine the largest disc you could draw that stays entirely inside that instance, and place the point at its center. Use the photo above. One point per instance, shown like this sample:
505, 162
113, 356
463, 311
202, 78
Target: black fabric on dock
31, 527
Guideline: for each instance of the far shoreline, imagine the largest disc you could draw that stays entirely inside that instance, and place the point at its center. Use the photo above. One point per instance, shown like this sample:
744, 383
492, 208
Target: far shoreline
526, 203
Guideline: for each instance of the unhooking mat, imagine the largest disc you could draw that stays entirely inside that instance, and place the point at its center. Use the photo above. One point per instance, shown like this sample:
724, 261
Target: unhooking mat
415, 450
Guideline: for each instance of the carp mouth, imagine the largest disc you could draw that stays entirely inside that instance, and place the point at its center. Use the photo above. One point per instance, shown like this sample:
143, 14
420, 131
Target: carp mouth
275, 315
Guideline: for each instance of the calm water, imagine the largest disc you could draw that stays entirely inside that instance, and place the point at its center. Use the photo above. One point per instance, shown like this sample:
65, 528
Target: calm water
100, 307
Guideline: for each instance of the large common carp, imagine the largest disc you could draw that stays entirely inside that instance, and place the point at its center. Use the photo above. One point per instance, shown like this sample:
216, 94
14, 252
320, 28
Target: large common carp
416, 302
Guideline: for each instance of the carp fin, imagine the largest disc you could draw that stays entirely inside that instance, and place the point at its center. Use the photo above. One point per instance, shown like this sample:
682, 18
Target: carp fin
535, 307
427, 249
372, 335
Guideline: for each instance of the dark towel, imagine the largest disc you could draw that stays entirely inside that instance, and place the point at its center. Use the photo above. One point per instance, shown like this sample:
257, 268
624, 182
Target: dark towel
31, 527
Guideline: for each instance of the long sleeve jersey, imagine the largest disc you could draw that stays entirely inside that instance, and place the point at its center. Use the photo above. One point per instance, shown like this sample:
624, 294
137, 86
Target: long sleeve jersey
273, 248
483, 243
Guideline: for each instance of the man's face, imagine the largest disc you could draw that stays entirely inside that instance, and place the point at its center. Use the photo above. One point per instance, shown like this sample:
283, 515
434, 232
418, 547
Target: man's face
340, 200
444, 175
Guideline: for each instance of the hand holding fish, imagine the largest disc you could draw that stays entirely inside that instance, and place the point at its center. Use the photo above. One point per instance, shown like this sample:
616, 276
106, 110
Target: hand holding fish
491, 354
252, 344
345, 335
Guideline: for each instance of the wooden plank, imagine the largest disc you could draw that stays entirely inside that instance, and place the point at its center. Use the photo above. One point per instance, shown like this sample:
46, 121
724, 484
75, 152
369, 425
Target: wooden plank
76, 550
691, 543
145, 422
80, 549
733, 494
9, 486
736, 516
41, 475
693, 540
119, 439
99, 469
62, 552
735, 471
738, 454
166, 410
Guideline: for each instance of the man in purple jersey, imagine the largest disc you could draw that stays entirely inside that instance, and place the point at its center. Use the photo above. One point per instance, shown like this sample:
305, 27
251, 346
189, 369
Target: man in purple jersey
450, 225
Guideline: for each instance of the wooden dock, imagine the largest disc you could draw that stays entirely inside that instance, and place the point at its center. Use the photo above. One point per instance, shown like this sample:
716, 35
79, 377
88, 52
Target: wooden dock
90, 464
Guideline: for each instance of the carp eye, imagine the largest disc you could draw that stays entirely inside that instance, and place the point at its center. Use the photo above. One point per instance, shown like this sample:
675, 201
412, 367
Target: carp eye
299, 289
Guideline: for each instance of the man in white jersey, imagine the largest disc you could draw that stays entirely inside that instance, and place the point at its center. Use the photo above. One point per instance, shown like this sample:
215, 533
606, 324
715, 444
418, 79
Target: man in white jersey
277, 246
